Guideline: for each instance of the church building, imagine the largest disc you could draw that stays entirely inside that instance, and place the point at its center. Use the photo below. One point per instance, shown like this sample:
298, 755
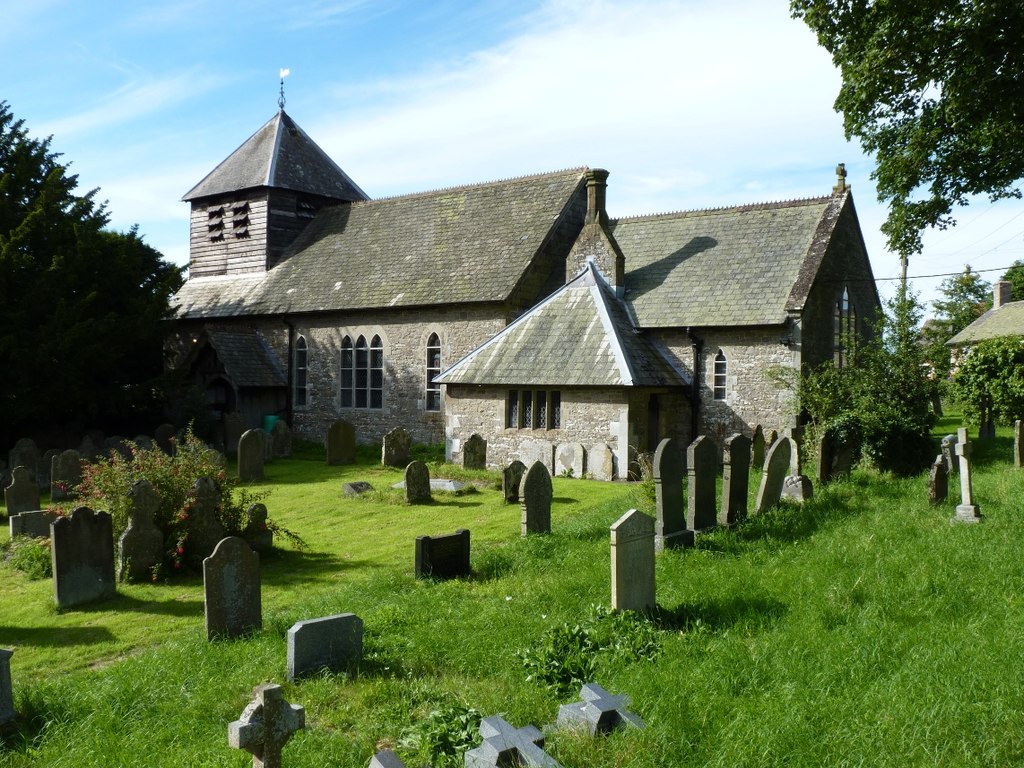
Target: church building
515, 309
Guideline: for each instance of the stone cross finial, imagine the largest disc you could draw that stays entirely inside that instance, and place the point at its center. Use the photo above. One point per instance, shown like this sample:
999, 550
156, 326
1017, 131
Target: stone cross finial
599, 712
841, 185
266, 724
506, 745
967, 511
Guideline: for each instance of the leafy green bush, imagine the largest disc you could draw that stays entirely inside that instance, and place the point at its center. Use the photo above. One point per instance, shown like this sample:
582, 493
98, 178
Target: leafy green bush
30, 555
444, 736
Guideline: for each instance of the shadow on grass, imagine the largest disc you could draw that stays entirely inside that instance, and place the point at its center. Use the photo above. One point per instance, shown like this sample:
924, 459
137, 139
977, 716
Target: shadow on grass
127, 604
288, 568
749, 611
50, 637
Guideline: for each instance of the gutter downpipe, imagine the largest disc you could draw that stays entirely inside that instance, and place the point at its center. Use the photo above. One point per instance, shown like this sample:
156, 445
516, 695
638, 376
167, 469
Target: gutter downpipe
696, 346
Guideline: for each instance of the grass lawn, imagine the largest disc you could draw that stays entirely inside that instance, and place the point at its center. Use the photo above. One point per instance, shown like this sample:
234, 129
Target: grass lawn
860, 629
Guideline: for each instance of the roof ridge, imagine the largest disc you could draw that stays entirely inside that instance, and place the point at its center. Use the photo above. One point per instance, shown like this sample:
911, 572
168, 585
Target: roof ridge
790, 203
477, 185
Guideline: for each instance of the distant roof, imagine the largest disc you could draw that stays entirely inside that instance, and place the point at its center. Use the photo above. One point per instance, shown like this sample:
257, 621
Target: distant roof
1007, 320
246, 359
282, 156
460, 245
726, 266
581, 335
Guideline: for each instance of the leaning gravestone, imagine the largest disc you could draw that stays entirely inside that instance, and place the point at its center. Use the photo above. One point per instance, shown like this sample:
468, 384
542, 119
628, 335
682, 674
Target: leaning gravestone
796, 434
83, 557
531, 451
231, 587
966, 511
65, 474
535, 494
511, 477
632, 554
601, 462
22, 495
474, 453
333, 643
776, 469
938, 481
256, 531
7, 713
25, 454
949, 454
35, 523
505, 745
735, 479
395, 450
266, 724
141, 546
570, 460
701, 472
341, 443
203, 525
670, 529
1018, 444
599, 712
251, 454
417, 483
280, 440
443, 557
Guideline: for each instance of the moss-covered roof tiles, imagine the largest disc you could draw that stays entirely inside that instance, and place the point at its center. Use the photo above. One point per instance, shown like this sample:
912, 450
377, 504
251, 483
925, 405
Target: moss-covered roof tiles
1007, 320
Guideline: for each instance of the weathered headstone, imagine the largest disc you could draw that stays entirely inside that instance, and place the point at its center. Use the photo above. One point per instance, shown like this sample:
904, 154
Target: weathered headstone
601, 462
44, 474
417, 483
281, 440
599, 711
35, 523
89, 449
535, 494
25, 453
776, 469
796, 434
938, 481
757, 448
443, 557
966, 511
265, 726
82, 555
235, 426
7, 713
632, 555
117, 445
22, 495
143, 441
570, 460
797, 488
332, 642
395, 449
341, 443
504, 745
670, 529
701, 473
474, 453
386, 759
163, 436
356, 488
65, 474
231, 589
256, 531
251, 448
531, 451
949, 454
735, 479
141, 546
1018, 444
203, 525
511, 477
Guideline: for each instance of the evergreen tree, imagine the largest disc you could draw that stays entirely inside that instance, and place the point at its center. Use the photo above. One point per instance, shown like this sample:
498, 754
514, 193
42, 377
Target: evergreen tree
965, 297
1015, 276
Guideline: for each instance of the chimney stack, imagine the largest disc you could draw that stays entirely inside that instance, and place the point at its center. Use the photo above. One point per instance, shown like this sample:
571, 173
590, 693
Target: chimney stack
1002, 293
597, 186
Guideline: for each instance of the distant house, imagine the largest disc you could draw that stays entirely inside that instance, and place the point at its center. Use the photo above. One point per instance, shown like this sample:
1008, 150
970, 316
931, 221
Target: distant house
1006, 318
514, 309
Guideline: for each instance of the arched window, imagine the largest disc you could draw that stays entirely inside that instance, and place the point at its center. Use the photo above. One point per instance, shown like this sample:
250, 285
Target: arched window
721, 370
844, 329
347, 372
433, 391
301, 364
376, 388
362, 373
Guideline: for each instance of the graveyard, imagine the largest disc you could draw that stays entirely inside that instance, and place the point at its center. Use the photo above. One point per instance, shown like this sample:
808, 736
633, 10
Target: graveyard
861, 626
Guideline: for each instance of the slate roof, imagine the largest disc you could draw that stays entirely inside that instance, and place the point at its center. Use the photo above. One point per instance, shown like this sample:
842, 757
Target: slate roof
460, 245
581, 335
1007, 320
280, 155
741, 266
246, 358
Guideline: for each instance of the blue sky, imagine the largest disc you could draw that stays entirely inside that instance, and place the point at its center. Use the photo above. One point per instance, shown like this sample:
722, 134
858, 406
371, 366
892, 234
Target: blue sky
689, 104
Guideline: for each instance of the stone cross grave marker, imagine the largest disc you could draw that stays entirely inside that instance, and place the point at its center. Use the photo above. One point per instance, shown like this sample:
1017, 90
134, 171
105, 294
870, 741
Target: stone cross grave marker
535, 494
35, 523
599, 711
570, 459
938, 481
256, 532
601, 462
251, 455
632, 555
443, 557
265, 726
395, 449
1018, 444
7, 713
776, 469
231, 589
505, 745
204, 527
670, 529
474, 453
757, 448
280, 440
949, 454
83, 557
332, 642
417, 483
141, 546
65, 474
701, 472
966, 511
511, 478
735, 479
341, 443
22, 495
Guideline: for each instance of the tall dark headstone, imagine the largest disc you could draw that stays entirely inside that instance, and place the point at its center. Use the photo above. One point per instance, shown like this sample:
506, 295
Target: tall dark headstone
141, 546
443, 557
83, 557
776, 470
535, 495
251, 455
256, 531
65, 474
670, 529
474, 453
395, 449
204, 527
231, 587
511, 477
938, 481
701, 472
164, 436
632, 554
7, 713
22, 495
280, 440
25, 453
757, 448
417, 483
735, 479
341, 443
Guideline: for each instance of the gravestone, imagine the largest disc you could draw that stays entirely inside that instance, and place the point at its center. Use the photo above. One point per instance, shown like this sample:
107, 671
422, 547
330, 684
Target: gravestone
601, 462
757, 448
531, 451
333, 642
966, 511
776, 469
141, 546
164, 437
82, 556
256, 531
701, 473
511, 477
417, 483
116, 444
735, 479
25, 454
396, 447
570, 460
797, 488
356, 488
143, 441
341, 443
251, 455
825, 457
599, 712
386, 759
231, 590
474, 453
632, 555
45, 473
938, 481
796, 434
265, 726
35, 523
22, 495
203, 525
280, 440
1018, 444
949, 454
670, 529
65, 474
504, 745
89, 450
535, 494
443, 557
7, 713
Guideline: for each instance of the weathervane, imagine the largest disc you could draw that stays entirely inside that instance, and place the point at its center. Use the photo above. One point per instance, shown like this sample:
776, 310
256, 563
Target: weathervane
280, 98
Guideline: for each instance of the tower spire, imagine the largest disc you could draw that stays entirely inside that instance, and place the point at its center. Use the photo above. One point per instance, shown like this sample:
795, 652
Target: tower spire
280, 98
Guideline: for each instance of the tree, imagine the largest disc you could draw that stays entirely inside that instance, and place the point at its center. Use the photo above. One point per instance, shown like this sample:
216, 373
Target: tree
82, 308
1015, 276
932, 88
966, 297
990, 380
